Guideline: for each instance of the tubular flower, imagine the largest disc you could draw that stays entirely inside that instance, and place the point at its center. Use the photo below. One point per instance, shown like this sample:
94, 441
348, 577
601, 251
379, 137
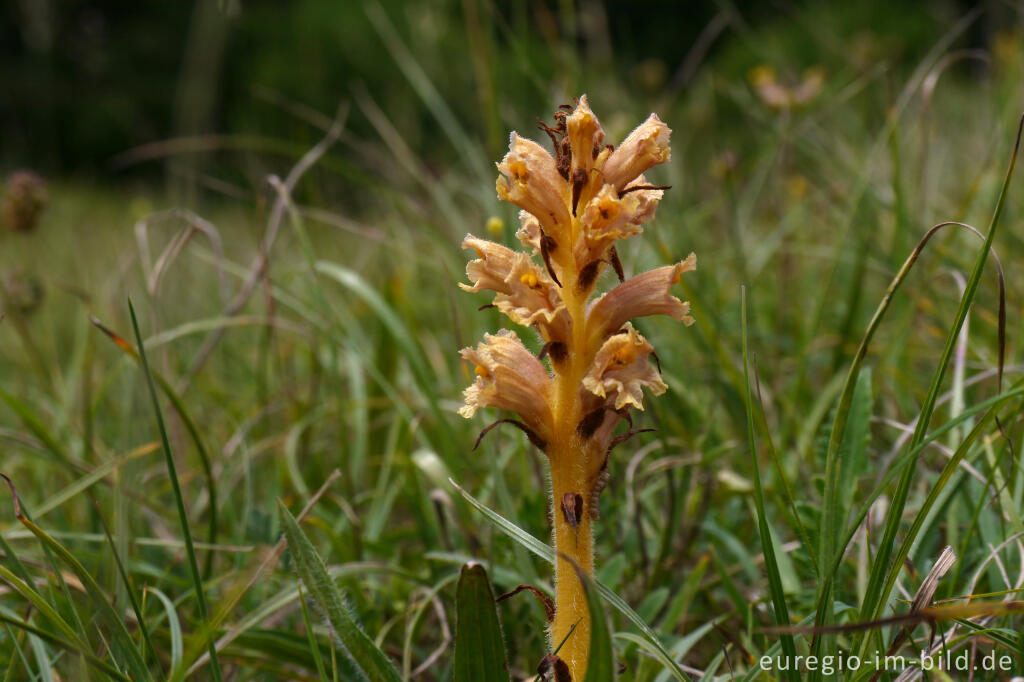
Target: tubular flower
645, 147
531, 181
577, 204
509, 377
641, 296
621, 370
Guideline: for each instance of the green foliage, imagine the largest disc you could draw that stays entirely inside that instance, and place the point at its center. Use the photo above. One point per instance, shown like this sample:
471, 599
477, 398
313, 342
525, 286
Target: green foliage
360, 649
816, 450
479, 652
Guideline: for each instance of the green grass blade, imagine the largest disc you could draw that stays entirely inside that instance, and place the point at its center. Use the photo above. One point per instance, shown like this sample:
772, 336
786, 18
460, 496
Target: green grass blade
767, 546
601, 660
172, 471
174, 629
314, 646
121, 641
15, 621
357, 645
190, 426
479, 643
886, 569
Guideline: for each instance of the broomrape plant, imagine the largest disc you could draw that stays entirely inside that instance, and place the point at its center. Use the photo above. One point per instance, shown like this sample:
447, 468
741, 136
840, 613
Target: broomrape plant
576, 205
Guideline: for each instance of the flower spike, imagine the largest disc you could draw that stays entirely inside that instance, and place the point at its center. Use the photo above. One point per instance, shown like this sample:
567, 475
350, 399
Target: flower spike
577, 204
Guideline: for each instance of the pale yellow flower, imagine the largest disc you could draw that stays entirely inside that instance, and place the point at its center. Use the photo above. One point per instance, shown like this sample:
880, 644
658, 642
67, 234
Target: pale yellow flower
609, 217
509, 377
585, 136
533, 299
576, 206
491, 268
641, 296
529, 232
531, 181
645, 147
621, 370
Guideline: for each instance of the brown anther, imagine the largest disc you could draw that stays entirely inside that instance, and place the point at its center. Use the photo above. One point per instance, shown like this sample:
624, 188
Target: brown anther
486, 306
564, 163
590, 423
657, 360
572, 509
579, 181
613, 258
588, 275
547, 245
597, 150
638, 187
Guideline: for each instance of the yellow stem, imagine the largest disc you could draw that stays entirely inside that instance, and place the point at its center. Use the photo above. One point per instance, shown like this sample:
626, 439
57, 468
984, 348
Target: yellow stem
568, 475
571, 473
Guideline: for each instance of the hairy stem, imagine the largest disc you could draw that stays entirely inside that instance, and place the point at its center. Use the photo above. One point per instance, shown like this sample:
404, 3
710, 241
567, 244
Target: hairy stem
571, 474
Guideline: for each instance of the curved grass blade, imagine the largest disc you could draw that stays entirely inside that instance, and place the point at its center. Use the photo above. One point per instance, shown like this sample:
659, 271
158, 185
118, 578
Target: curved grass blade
121, 642
190, 426
886, 568
830, 553
172, 472
174, 628
357, 645
90, 658
767, 546
479, 643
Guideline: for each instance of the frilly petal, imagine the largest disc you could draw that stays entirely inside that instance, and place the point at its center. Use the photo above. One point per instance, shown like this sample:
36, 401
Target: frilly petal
640, 296
530, 180
509, 377
643, 148
621, 370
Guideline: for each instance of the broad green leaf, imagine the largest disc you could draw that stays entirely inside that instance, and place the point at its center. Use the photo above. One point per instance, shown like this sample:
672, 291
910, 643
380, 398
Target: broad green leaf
479, 644
369, 659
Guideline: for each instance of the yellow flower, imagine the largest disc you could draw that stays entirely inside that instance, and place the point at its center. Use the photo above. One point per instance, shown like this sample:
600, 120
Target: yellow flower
530, 180
576, 205
585, 136
645, 147
641, 296
621, 370
509, 377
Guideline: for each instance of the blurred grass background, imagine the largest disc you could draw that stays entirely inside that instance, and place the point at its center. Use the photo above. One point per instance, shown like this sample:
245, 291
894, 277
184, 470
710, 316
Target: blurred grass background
813, 145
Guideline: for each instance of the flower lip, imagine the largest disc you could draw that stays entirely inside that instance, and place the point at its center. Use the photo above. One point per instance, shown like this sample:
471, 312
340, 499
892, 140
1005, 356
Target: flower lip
492, 266
509, 377
646, 146
640, 296
621, 370
530, 179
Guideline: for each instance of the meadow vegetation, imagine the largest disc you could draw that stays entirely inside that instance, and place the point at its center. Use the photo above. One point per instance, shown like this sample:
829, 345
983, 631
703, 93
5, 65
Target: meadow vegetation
297, 299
